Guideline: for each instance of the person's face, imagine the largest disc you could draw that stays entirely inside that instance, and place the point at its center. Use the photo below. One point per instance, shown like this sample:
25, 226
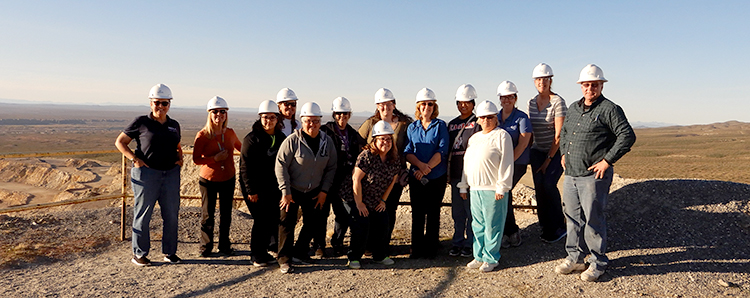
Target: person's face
426, 108
508, 102
465, 107
592, 90
543, 84
341, 118
488, 122
311, 125
218, 116
386, 109
288, 108
160, 107
384, 143
268, 121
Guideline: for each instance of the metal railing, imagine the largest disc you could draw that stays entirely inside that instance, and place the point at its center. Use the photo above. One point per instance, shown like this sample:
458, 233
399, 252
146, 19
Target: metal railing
123, 190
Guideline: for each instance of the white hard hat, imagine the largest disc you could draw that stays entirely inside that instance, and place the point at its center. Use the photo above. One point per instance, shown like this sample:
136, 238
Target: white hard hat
382, 128
542, 70
383, 95
268, 106
341, 104
216, 102
425, 95
466, 92
285, 94
310, 109
160, 91
591, 72
486, 108
506, 88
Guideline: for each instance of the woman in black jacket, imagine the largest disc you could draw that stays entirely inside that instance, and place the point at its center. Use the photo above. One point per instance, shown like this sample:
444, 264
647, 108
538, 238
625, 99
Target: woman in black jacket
259, 185
349, 144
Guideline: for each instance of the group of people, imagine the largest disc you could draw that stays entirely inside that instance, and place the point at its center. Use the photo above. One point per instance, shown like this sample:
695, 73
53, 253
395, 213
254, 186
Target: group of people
288, 164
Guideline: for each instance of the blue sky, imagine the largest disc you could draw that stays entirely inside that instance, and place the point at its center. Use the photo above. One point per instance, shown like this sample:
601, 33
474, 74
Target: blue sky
681, 62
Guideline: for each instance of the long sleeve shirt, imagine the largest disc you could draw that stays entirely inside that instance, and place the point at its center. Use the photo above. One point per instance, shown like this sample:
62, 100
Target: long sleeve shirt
488, 163
205, 149
298, 167
589, 135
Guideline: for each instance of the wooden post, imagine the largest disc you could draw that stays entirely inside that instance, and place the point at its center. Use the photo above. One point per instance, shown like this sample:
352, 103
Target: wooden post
123, 191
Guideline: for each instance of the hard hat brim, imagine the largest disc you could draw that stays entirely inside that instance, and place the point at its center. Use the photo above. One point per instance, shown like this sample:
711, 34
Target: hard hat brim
603, 80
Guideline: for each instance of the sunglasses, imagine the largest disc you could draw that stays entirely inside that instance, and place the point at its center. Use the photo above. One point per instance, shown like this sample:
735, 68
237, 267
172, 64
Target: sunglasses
341, 113
592, 85
218, 112
429, 104
292, 104
487, 117
162, 103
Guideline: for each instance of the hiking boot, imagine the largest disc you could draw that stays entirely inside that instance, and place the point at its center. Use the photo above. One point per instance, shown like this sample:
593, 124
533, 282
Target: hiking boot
285, 268
487, 267
474, 264
466, 252
354, 264
455, 251
515, 239
387, 261
141, 261
505, 242
591, 274
567, 266
172, 259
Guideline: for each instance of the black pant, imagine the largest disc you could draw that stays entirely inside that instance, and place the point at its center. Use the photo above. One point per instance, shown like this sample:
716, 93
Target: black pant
265, 214
425, 216
370, 231
391, 206
510, 221
341, 220
209, 191
548, 200
288, 221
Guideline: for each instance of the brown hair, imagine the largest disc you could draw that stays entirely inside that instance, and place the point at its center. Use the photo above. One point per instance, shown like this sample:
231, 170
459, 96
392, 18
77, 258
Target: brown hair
391, 156
435, 112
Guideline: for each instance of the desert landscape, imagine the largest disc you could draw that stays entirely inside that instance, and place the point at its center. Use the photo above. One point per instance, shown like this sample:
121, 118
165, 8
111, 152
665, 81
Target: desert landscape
679, 221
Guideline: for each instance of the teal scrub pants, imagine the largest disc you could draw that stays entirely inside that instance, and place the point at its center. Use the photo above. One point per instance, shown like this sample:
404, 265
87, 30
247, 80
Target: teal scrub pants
488, 222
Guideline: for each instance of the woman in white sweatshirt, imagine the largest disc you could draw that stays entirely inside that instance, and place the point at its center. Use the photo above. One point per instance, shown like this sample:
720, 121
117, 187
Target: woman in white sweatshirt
488, 172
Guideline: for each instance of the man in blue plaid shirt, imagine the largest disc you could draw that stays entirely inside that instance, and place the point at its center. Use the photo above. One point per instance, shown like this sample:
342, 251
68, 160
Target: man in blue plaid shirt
594, 136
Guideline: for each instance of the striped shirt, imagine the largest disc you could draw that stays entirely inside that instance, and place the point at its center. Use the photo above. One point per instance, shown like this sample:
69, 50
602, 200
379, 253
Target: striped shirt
543, 122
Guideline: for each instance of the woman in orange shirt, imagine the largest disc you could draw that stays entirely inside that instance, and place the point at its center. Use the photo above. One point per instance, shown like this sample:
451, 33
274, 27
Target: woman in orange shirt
214, 149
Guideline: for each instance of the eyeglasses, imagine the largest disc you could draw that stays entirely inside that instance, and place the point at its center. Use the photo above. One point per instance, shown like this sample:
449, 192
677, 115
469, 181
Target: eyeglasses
311, 122
590, 84
268, 118
292, 104
385, 104
488, 117
544, 79
384, 139
164, 103
429, 104
218, 112
508, 97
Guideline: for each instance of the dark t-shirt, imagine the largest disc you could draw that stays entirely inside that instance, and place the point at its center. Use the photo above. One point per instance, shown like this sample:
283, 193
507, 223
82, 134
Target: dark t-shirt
457, 149
156, 143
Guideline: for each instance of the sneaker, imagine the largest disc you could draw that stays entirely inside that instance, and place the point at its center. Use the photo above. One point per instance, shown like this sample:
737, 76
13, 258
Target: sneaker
260, 264
505, 242
172, 259
487, 267
285, 268
354, 264
515, 239
387, 261
226, 252
141, 261
474, 264
467, 252
561, 233
302, 260
567, 266
591, 274
455, 251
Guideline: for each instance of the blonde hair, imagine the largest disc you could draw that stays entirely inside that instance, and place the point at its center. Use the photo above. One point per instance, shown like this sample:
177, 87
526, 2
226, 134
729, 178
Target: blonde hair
210, 130
435, 112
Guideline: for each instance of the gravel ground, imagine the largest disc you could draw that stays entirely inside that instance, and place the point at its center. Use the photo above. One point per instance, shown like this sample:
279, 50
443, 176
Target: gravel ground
667, 238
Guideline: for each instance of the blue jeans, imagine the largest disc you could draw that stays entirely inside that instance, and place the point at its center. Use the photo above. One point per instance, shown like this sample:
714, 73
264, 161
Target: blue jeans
488, 222
151, 186
463, 236
548, 201
584, 200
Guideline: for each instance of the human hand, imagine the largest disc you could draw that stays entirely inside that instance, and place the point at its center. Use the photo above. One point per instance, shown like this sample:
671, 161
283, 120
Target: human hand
499, 196
221, 155
380, 207
362, 209
285, 202
544, 166
599, 168
464, 196
562, 161
253, 198
321, 197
